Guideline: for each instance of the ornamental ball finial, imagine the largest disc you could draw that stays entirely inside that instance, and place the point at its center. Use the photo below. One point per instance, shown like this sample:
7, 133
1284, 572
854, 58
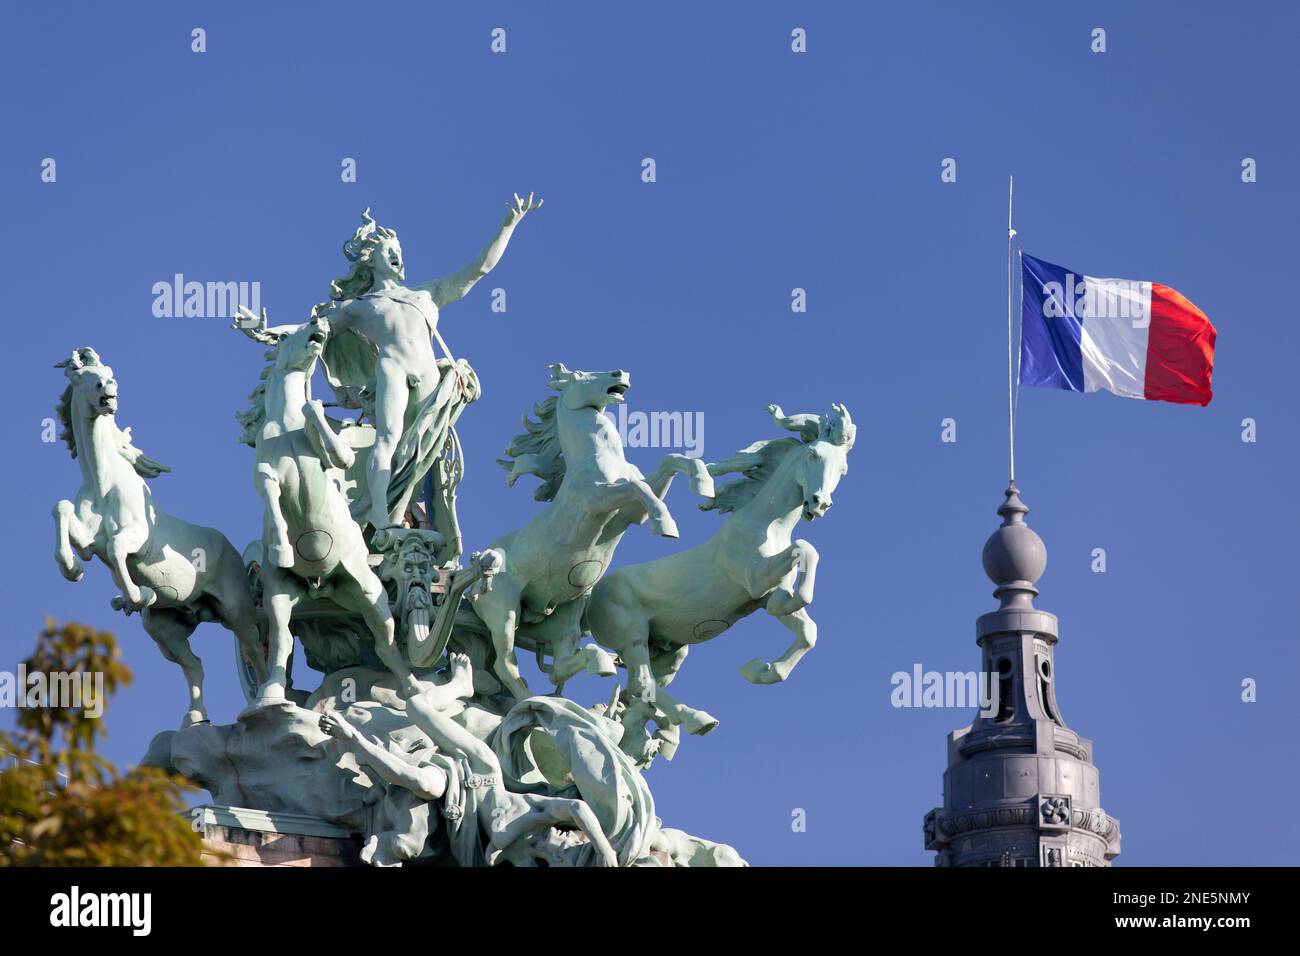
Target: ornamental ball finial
1014, 555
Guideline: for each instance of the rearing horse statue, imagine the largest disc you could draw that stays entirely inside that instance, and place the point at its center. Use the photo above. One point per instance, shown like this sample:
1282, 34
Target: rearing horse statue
558, 556
175, 573
651, 613
311, 546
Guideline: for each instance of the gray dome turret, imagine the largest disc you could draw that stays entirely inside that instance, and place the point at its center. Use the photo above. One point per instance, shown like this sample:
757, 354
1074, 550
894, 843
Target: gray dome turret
1021, 788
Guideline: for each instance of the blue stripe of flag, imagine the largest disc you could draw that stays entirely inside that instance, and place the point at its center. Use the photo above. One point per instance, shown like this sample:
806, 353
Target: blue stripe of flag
1051, 355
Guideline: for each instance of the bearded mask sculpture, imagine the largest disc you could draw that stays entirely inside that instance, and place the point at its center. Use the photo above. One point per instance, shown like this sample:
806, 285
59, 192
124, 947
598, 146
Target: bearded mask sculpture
410, 569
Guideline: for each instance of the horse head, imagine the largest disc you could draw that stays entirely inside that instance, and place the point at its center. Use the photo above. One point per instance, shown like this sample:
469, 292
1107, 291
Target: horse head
579, 390
824, 460
299, 350
91, 383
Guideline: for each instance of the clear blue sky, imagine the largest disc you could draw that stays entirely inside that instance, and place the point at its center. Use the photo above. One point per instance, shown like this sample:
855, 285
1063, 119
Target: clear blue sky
775, 171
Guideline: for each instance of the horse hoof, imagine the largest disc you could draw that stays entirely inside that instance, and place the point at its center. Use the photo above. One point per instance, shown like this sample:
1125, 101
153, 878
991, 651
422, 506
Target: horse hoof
666, 529
700, 723
669, 740
194, 718
760, 672
281, 555
73, 571
600, 664
517, 687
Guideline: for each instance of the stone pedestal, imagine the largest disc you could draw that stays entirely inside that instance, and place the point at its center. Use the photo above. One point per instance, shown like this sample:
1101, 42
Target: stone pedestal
257, 838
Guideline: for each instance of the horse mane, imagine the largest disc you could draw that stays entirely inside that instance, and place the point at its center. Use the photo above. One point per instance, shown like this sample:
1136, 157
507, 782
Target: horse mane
255, 417
64, 410
536, 450
756, 464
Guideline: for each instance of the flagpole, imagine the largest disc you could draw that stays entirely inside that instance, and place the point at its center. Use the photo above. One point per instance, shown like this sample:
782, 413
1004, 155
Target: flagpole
1011, 415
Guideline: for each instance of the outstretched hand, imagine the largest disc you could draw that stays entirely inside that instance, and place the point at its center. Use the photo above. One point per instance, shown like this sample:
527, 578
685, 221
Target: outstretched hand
248, 321
256, 328
520, 208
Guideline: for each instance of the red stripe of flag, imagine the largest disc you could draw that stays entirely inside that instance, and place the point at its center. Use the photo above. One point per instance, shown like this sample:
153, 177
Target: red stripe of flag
1180, 349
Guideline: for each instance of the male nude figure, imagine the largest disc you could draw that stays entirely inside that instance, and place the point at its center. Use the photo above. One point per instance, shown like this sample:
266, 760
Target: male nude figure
398, 323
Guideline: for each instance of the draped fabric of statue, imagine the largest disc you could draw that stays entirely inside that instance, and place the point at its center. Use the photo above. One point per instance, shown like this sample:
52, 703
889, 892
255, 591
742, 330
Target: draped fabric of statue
460, 811
552, 745
432, 441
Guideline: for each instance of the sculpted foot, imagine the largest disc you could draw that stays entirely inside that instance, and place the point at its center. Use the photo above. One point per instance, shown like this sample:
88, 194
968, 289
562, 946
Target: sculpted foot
333, 725
462, 676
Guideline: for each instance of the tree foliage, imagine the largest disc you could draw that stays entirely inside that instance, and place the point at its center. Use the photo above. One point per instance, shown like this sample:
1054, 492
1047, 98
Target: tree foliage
61, 803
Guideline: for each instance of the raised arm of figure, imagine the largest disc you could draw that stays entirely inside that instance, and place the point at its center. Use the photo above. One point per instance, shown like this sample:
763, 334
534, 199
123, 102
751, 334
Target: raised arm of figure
427, 783
256, 328
455, 286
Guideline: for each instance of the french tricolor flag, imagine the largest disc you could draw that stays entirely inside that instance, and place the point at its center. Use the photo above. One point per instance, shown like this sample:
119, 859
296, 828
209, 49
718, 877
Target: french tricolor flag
1133, 338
